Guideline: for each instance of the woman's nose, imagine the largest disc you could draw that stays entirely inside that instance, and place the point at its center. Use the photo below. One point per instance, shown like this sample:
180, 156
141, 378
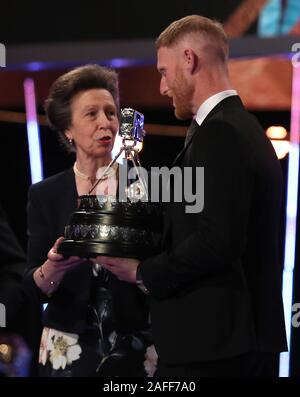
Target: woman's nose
102, 120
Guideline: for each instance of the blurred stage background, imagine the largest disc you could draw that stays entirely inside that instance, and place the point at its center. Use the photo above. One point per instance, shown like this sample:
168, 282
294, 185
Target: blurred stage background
42, 43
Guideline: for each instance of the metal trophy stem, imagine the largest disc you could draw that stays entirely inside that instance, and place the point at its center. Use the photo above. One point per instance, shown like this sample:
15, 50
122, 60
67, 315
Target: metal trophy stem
131, 153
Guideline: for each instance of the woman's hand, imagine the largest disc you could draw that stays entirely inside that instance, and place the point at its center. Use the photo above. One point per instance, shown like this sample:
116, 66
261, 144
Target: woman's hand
48, 276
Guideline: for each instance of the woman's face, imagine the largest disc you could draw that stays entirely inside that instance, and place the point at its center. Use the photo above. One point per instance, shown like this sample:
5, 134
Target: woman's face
94, 123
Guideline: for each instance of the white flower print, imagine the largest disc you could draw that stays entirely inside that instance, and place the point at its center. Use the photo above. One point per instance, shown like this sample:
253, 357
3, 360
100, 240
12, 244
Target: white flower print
60, 347
151, 361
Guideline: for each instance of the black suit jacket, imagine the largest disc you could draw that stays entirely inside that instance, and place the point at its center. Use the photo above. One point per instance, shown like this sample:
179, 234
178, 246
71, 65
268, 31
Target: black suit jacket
216, 287
51, 203
23, 315
12, 265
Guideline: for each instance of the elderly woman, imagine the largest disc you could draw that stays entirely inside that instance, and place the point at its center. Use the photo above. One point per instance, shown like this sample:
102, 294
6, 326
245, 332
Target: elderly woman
94, 324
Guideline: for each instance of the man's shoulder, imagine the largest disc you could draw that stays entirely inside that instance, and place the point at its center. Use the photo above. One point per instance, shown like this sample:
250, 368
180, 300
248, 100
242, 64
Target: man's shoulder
233, 120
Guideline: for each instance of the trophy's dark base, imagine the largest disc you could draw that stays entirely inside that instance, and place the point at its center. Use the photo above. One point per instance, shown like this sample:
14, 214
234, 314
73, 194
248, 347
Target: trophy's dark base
104, 226
91, 249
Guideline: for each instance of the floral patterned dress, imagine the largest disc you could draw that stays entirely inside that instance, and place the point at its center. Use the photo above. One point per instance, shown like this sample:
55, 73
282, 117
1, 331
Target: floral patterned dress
100, 351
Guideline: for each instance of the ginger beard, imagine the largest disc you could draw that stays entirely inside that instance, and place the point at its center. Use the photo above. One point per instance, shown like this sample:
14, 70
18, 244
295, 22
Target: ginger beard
182, 94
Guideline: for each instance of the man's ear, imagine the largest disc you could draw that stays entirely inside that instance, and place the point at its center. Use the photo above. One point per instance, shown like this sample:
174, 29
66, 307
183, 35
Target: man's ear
191, 60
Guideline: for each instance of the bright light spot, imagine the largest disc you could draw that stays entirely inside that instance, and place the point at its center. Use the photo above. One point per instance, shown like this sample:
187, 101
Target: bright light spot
276, 132
281, 148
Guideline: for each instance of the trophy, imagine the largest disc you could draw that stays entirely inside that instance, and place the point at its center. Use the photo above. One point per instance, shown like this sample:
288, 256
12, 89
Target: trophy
106, 225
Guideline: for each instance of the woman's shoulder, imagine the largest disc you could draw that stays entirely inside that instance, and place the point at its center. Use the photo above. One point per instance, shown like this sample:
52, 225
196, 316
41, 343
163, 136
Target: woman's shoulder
53, 182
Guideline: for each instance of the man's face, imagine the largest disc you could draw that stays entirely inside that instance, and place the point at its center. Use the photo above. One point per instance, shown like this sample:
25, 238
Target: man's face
174, 83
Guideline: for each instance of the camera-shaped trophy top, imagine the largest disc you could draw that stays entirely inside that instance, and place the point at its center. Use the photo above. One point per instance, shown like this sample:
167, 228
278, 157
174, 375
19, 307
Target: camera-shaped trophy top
132, 126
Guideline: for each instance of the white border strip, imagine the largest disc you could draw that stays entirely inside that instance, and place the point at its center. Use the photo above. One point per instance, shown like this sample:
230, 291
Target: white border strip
291, 219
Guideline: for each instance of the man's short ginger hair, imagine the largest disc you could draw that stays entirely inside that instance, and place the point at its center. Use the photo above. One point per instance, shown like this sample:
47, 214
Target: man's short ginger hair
208, 29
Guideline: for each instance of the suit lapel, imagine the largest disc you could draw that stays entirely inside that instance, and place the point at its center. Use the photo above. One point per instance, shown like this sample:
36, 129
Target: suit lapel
189, 137
188, 140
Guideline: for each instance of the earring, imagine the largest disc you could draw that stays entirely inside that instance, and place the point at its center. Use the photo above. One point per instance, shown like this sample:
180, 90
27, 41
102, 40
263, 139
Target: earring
71, 141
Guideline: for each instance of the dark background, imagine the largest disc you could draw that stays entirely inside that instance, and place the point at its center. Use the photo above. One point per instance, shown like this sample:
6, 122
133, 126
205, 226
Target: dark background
114, 19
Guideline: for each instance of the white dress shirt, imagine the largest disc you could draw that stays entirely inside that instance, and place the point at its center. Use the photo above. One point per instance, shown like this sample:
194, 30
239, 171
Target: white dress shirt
210, 103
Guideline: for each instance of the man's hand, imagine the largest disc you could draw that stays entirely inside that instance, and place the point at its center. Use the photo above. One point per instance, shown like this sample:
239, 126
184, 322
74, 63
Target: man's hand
123, 268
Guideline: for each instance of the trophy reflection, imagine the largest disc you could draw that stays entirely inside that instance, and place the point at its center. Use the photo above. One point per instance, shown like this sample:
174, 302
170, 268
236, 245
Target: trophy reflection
123, 225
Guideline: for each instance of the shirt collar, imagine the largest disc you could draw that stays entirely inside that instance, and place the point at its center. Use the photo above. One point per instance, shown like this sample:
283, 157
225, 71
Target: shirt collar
211, 102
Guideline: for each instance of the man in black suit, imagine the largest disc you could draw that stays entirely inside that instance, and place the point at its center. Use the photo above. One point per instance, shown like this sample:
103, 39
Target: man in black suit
12, 266
21, 316
215, 289
12, 324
